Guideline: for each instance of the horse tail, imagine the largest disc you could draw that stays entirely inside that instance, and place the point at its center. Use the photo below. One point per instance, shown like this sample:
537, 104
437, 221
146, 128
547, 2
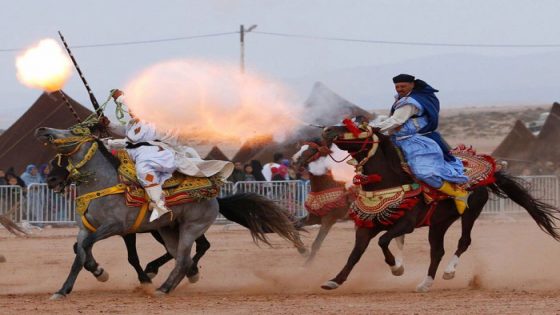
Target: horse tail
546, 216
260, 215
11, 226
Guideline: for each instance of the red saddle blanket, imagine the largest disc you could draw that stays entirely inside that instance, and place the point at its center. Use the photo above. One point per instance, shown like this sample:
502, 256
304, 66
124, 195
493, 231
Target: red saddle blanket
479, 168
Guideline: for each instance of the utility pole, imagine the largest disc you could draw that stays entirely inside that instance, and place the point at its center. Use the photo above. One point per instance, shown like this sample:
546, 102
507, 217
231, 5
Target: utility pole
242, 32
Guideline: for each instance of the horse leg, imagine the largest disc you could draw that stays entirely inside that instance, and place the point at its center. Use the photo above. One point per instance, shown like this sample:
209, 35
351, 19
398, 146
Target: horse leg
102, 232
309, 219
188, 233
326, 223
436, 237
202, 245
152, 267
363, 237
133, 260
76, 267
476, 202
403, 226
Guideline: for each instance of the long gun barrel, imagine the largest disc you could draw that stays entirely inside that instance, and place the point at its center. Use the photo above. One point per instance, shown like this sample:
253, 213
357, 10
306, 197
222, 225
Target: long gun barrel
91, 96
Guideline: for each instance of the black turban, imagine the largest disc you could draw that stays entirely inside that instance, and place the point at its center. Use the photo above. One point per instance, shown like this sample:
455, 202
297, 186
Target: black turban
403, 78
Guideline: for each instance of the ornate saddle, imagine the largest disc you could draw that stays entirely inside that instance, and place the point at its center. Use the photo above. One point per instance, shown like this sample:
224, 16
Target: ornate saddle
178, 189
479, 168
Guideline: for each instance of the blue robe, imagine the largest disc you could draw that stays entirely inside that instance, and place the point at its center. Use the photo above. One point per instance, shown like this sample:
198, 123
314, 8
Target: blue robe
423, 154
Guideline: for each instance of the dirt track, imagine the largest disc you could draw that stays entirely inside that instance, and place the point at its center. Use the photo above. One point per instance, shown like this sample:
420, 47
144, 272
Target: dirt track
511, 268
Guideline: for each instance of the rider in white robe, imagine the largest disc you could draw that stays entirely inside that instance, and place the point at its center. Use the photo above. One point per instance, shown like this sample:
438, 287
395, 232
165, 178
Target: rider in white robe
158, 154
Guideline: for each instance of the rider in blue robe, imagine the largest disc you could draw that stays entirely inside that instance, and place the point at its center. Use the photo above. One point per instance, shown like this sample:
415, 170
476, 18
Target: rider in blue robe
412, 125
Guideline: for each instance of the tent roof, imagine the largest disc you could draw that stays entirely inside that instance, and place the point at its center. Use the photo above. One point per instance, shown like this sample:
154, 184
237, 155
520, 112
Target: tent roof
515, 143
18, 146
251, 147
331, 106
548, 146
216, 154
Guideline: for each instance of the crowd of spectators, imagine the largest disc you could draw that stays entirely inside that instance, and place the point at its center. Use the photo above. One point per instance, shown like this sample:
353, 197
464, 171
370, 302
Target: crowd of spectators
31, 175
278, 169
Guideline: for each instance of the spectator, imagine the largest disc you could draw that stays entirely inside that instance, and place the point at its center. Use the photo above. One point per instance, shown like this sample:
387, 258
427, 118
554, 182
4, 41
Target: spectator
267, 168
249, 172
31, 175
257, 170
3, 177
13, 179
44, 171
238, 173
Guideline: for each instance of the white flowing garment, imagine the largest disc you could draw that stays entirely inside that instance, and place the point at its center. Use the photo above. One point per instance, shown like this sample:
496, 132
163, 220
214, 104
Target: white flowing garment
165, 154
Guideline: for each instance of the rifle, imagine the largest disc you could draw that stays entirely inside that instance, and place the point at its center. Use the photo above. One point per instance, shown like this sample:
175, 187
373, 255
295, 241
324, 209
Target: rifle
91, 96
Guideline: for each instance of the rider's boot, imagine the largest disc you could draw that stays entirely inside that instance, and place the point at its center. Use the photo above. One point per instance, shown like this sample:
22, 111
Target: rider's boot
156, 196
459, 195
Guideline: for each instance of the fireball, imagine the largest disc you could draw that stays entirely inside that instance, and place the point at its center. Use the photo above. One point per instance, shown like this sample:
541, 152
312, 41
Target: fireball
44, 66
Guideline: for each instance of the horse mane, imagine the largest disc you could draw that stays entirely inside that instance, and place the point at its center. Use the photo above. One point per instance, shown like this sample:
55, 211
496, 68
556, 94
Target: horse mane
110, 157
390, 152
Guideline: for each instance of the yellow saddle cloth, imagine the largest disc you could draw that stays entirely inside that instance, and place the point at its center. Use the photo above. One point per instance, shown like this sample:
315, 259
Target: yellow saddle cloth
178, 189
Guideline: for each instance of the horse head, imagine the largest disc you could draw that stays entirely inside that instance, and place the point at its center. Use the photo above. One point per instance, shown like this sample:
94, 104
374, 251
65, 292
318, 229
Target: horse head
309, 152
74, 147
354, 136
59, 176
373, 154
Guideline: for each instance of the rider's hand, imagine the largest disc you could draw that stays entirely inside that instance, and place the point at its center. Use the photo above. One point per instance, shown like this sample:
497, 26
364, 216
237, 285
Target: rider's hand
104, 121
116, 94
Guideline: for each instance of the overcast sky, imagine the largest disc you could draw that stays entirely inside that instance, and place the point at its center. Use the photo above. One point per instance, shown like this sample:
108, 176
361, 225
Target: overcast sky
23, 23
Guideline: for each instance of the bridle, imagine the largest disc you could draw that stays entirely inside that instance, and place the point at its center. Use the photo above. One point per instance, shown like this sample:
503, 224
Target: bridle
322, 150
80, 138
364, 135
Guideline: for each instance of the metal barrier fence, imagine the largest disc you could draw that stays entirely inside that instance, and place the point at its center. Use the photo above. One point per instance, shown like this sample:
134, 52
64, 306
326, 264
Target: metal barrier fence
11, 202
40, 205
545, 188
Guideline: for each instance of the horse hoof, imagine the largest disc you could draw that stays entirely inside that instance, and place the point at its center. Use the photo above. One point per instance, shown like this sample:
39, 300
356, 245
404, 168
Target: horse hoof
151, 275
449, 275
422, 288
2, 259
103, 277
397, 271
303, 251
194, 278
57, 296
159, 293
330, 285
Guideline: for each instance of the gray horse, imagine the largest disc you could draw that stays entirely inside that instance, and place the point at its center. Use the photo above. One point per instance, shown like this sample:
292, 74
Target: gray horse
111, 216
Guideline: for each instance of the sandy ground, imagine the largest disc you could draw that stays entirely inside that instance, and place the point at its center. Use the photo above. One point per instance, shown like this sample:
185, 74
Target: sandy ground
511, 268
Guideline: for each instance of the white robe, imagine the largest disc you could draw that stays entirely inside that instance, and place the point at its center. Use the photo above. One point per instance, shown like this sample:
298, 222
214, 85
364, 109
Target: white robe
157, 162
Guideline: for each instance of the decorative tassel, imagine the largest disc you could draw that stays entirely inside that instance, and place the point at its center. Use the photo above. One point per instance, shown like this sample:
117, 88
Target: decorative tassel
352, 127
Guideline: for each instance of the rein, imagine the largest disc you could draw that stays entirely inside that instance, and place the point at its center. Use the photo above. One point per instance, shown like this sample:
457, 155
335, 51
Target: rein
366, 137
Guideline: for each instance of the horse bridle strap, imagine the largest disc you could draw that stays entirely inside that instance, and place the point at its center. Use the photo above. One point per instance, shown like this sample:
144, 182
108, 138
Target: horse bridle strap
82, 204
322, 150
72, 169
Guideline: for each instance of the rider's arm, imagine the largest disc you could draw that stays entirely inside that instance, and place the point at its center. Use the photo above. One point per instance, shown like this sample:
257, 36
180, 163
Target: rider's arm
399, 117
117, 129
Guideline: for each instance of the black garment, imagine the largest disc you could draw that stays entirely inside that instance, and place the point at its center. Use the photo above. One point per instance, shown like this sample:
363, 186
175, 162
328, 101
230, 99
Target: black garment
257, 170
237, 176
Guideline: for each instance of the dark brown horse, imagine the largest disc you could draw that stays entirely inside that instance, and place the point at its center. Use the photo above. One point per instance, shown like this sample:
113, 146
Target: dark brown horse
381, 167
328, 200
